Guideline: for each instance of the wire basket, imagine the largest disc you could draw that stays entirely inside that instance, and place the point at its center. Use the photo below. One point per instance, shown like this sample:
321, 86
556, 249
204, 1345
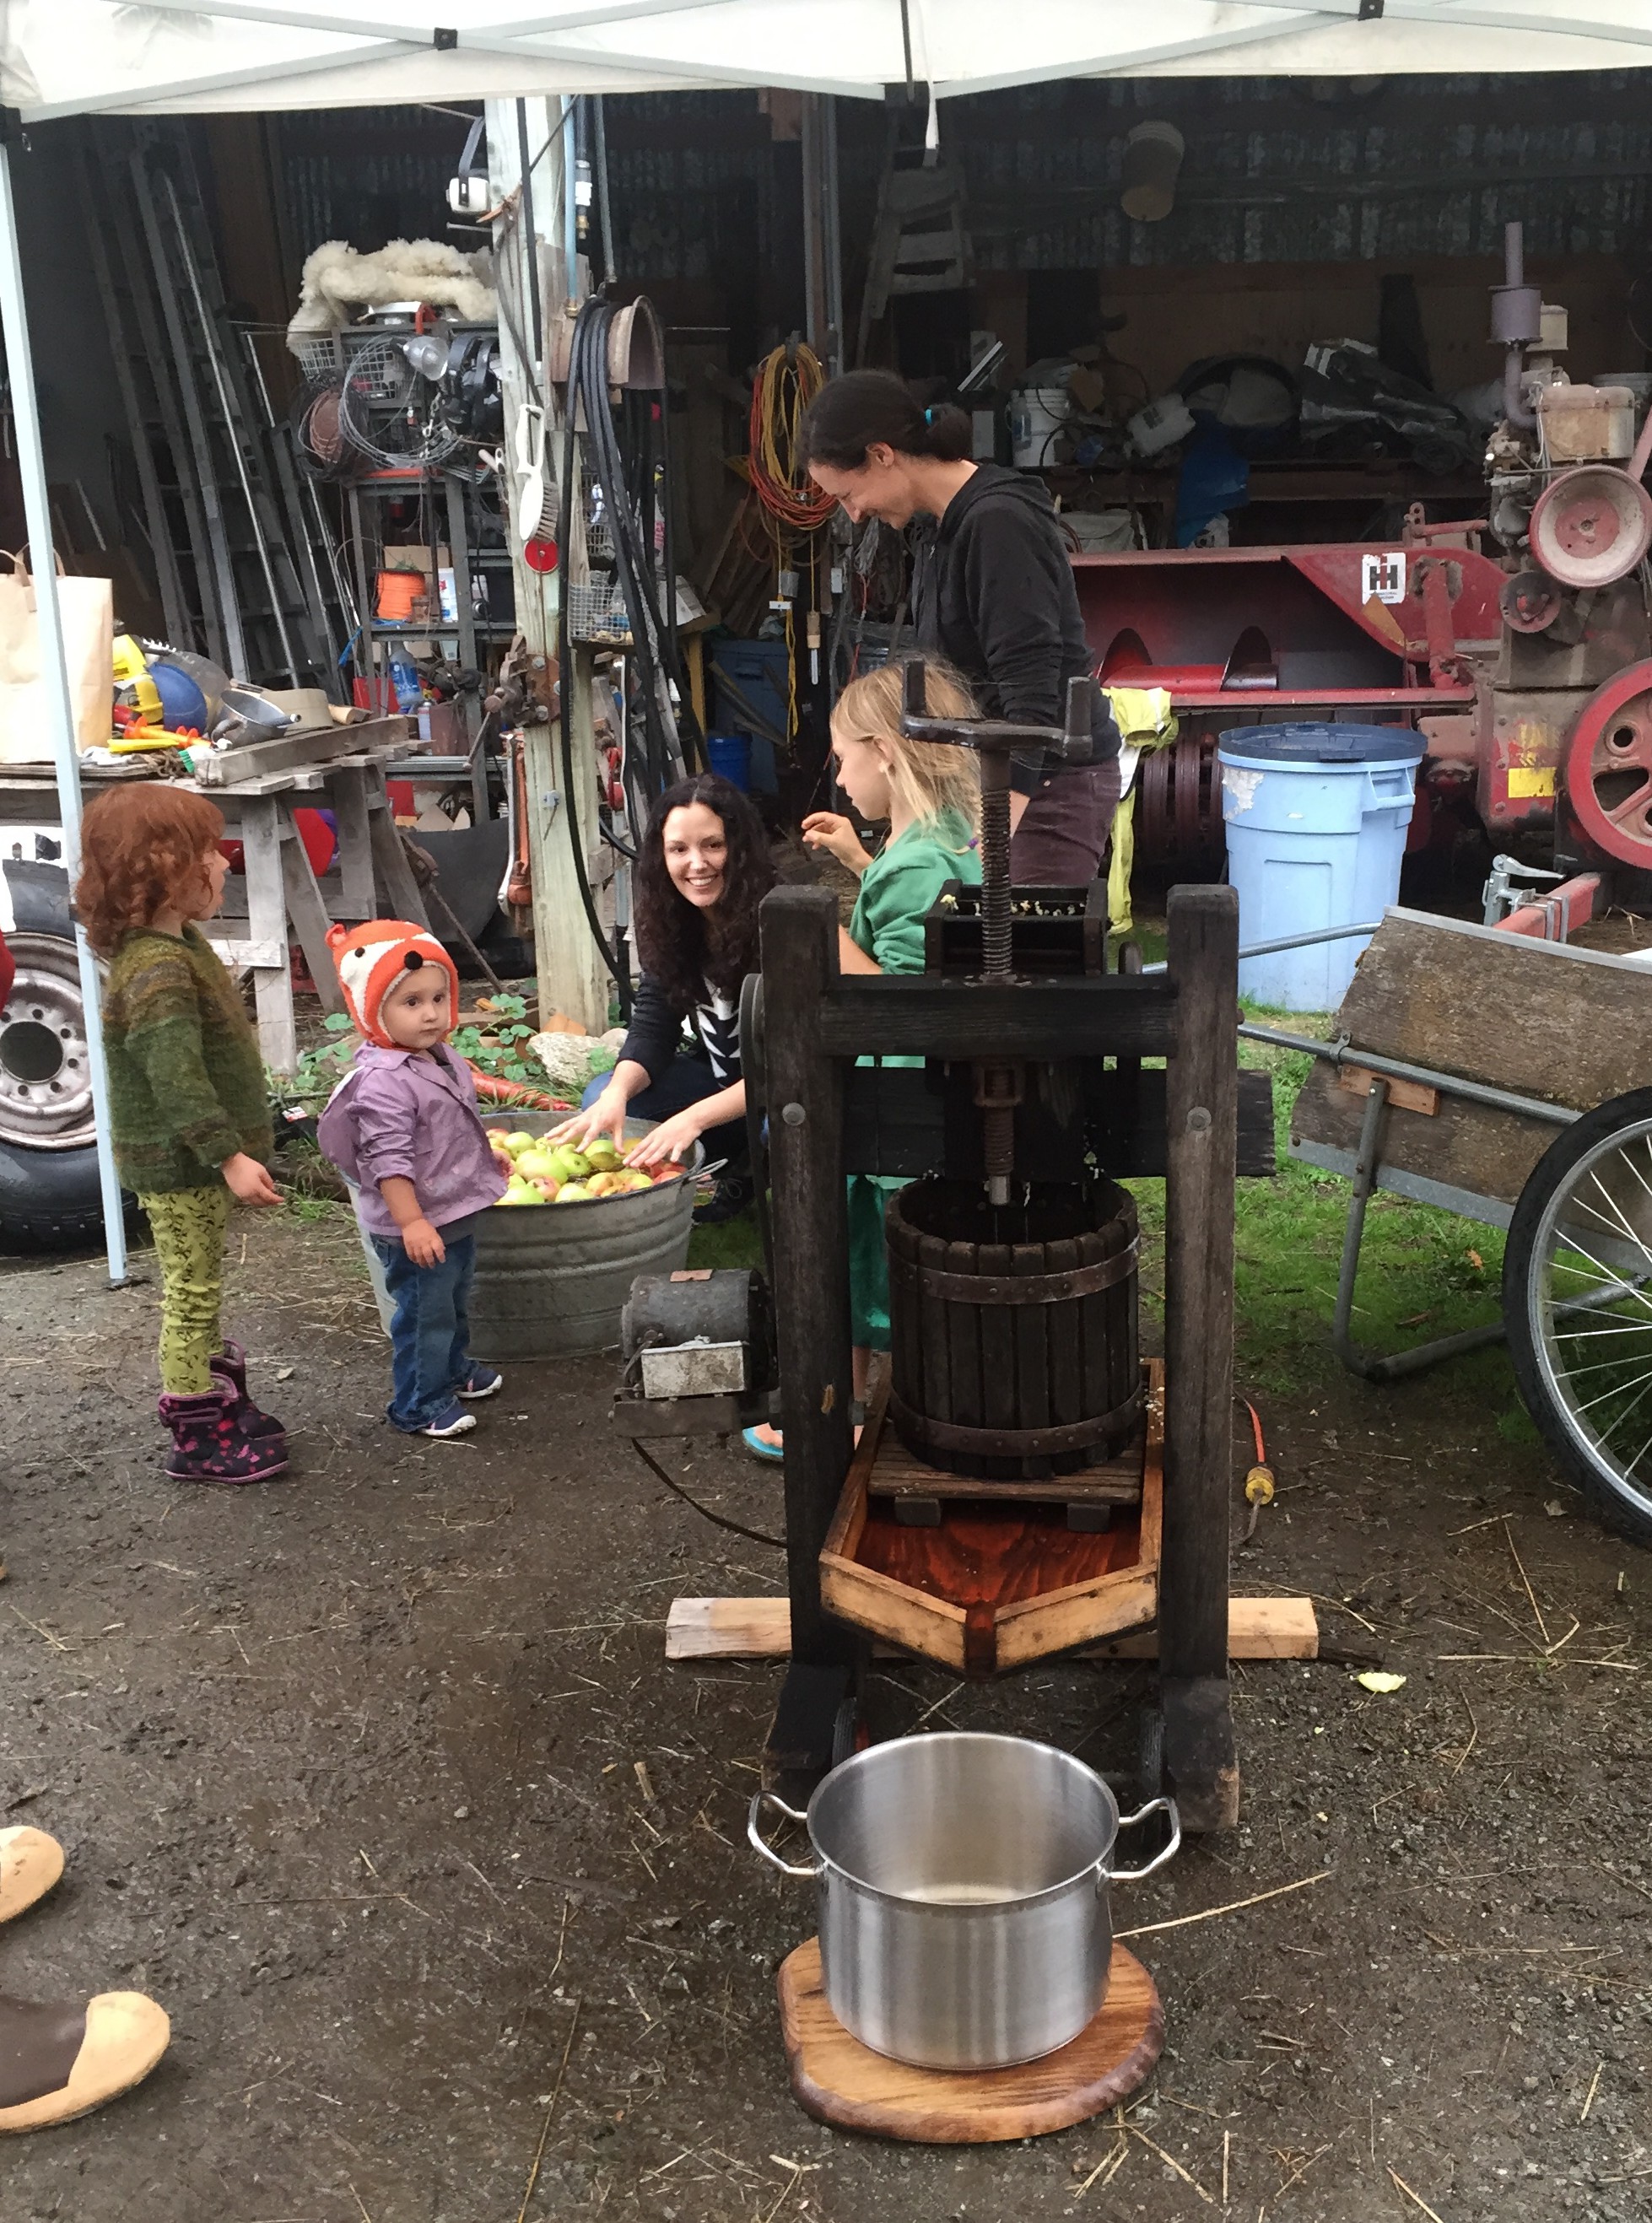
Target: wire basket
318, 356
596, 611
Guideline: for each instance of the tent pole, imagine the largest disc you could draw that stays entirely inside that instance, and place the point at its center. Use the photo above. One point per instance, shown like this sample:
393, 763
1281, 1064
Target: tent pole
37, 512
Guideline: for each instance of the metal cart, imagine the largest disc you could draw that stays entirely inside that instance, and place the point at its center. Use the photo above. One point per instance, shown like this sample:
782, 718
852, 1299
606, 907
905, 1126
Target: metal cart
1413, 1095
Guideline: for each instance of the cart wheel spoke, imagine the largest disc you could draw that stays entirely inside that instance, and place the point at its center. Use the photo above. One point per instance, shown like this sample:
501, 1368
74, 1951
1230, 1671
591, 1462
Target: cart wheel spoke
1578, 1298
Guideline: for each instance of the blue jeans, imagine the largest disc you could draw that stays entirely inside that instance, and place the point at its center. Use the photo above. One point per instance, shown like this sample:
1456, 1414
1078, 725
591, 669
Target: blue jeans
430, 1334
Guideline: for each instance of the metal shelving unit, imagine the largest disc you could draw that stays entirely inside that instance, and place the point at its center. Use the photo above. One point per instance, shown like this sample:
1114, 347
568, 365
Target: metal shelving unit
464, 637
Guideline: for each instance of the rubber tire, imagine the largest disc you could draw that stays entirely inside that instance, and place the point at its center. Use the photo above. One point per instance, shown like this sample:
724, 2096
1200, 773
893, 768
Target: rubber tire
1601, 1492
50, 1200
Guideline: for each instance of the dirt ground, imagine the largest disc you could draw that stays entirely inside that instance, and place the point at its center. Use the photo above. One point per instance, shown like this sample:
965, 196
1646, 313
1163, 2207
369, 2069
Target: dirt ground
348, 1772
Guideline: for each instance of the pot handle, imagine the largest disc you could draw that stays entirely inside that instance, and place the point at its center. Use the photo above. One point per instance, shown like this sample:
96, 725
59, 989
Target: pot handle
1105, 1875
754, 1838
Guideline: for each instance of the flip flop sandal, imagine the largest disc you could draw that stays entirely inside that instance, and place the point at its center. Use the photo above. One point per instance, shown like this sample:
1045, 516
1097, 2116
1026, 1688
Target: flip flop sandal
30, 1863
59, 2062
774, 1454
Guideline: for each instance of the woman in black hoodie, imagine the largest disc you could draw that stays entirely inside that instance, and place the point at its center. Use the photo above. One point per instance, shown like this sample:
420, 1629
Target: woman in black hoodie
993, 594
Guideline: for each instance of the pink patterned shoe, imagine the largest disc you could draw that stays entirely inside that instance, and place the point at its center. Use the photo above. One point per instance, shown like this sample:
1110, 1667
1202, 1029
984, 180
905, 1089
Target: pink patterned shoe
229, 1364
209, 1443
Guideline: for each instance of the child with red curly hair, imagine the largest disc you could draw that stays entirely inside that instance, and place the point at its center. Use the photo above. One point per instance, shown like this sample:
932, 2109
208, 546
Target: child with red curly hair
187, 1104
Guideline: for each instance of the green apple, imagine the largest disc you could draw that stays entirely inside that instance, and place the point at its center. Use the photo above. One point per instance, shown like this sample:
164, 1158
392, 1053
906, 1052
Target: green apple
573, 1192
520, 1141
537, 1164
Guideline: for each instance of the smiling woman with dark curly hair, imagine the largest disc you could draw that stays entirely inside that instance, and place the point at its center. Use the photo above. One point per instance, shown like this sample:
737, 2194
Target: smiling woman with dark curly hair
702, 872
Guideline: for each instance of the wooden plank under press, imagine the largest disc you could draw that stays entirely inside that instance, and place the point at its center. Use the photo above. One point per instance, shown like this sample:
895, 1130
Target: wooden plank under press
760, 1628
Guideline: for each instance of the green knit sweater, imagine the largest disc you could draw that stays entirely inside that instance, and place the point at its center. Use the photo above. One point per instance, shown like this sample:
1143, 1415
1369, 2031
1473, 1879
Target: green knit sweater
185, 1082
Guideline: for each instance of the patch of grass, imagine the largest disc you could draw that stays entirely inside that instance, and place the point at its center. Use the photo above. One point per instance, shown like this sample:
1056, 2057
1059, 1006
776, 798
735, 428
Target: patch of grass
1423, 1273
736, 1244
310, 1211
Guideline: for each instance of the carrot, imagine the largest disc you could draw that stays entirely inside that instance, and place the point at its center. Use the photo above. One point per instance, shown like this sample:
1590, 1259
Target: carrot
494, 1090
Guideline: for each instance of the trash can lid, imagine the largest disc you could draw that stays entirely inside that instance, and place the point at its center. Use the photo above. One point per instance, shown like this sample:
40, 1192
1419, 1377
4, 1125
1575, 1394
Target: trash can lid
1324, 744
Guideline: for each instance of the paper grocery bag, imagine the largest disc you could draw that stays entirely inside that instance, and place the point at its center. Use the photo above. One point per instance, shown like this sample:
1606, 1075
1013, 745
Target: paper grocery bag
87, 608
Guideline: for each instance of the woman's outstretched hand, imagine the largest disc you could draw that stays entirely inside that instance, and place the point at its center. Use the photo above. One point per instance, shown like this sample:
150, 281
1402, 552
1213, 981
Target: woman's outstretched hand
605, 1117
673, 1138
829, 829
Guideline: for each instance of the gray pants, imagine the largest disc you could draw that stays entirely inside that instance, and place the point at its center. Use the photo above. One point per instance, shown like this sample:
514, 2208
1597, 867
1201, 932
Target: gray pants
1062, 836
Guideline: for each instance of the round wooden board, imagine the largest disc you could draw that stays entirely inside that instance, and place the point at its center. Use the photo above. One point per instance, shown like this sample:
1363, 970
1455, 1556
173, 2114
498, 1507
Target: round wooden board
839, 2080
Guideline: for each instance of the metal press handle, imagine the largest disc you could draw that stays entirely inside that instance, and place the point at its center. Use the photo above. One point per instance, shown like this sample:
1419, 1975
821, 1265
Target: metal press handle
754, 1837
1128, 1821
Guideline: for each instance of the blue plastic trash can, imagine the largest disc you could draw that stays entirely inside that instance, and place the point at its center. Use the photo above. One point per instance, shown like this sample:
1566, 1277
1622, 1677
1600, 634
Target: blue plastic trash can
1315, 819
730, 755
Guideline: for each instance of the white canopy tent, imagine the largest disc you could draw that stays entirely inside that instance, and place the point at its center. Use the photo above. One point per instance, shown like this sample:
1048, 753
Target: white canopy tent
61, 58
75, 57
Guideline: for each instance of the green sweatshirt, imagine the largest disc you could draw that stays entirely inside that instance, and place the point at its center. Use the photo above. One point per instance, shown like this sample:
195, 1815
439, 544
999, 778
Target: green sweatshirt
185, 1082
899, 887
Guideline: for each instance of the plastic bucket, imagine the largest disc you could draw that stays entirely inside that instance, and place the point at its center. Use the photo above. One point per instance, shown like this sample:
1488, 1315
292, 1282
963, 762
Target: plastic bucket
1315, 819
1148, 174
1037, 413
730, 756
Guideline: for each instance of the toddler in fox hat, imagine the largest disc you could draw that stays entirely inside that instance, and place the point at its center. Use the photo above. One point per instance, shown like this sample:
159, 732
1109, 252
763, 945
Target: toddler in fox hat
404, 1128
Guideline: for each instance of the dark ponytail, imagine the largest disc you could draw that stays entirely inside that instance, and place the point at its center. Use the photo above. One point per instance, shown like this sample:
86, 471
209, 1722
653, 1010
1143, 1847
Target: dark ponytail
865, 408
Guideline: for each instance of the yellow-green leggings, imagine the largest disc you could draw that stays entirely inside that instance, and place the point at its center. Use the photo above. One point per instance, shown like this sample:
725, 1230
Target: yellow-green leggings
189, 1225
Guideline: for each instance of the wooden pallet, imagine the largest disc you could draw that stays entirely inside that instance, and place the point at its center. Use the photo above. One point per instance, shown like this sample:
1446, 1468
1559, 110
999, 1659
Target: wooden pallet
837, 2080
993, 1585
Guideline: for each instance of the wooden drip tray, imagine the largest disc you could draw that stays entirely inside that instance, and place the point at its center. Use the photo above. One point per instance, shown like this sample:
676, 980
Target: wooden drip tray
995, 1584
837, 2080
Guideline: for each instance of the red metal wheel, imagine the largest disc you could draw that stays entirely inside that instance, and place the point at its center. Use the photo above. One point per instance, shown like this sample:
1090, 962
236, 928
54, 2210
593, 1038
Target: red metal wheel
1609, 767
1153, 818
1186, 796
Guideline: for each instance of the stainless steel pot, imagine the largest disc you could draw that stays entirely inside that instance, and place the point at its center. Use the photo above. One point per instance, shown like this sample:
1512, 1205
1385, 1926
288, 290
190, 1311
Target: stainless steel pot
962, 1883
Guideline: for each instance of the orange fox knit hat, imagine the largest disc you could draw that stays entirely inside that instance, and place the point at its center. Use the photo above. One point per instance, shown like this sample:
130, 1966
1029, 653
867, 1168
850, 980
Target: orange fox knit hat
372, 957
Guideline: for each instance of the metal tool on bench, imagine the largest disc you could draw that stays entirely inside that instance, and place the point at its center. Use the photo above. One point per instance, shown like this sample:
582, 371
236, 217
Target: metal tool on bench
248, 716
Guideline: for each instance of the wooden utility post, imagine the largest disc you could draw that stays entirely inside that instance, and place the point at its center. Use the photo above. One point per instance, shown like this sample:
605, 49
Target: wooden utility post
533, 287
805, 1087
1200, 1764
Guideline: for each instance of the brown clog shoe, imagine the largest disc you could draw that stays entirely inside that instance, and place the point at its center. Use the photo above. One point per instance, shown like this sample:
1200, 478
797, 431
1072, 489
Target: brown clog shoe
58, 2061
30, 1863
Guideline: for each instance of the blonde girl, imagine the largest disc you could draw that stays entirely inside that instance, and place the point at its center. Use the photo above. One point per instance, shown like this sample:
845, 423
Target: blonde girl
929, 795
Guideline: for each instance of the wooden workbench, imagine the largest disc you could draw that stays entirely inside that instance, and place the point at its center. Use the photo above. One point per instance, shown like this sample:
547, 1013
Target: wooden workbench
372, 876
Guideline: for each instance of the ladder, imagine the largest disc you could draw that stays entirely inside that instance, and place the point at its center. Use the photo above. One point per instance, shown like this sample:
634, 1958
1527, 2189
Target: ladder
233, 551
919, 243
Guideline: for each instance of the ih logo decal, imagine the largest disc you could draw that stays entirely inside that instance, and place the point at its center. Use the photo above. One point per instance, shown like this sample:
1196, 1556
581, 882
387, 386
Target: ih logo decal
1383, 576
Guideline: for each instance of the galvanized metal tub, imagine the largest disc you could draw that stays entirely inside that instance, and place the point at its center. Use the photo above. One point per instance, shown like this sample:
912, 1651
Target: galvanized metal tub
552, 1279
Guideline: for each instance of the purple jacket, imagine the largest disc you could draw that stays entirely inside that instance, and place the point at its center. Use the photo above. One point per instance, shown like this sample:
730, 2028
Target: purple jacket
399, 1113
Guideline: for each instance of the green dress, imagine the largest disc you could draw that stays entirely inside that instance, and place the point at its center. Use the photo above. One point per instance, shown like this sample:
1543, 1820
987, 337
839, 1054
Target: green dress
897, 891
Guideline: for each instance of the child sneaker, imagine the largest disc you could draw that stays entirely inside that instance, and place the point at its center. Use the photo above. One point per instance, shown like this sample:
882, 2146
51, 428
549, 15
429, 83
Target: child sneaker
480, 1382
452, 1420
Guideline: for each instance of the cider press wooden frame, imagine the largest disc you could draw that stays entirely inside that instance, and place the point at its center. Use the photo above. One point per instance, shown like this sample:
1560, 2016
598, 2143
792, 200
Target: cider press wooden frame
809, 1029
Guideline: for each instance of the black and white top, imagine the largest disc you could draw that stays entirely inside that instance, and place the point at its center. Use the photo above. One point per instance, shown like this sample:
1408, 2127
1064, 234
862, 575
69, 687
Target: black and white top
656, 1030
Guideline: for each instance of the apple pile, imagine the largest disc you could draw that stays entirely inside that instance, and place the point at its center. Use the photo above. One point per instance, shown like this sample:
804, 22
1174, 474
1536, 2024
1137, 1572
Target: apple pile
538, 1171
